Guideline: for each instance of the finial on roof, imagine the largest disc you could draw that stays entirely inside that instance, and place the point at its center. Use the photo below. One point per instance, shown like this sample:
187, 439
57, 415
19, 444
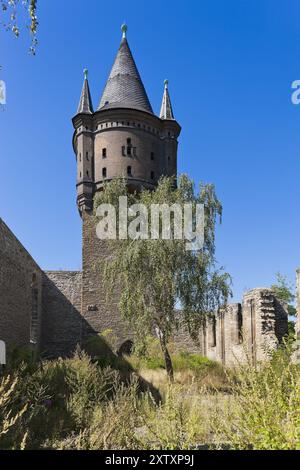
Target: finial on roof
124, 30
85, 73
166, 83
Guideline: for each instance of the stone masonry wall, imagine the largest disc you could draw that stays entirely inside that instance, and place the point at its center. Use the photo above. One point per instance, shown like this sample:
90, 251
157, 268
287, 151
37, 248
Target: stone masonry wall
265, 322
99, 315
20, 292
248, 332
63, 324
241, 333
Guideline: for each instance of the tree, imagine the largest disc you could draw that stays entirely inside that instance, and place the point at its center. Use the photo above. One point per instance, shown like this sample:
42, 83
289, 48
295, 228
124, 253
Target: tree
154, 276
11, 12
285, 291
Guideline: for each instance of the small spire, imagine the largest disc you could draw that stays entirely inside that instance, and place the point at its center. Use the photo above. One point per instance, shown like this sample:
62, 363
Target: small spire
85, 104
166, 111
124, 30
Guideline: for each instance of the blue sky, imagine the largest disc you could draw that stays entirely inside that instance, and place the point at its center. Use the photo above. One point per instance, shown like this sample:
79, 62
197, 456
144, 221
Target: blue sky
230, 66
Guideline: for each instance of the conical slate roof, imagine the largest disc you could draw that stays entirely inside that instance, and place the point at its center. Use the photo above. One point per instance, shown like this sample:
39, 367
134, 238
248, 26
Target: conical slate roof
85, 104
166, 111
124, 87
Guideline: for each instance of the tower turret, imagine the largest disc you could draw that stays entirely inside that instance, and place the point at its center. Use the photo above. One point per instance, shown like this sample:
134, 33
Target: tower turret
170, 133
83, 143
123, 137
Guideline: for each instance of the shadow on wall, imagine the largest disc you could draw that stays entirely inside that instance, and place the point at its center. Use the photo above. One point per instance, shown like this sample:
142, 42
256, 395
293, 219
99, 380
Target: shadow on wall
64, 330
281, 321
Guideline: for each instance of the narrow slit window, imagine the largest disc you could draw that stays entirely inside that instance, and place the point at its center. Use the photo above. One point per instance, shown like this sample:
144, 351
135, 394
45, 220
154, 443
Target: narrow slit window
152, 175
152, 155
104, 153
104, 172
129, 173
129, 147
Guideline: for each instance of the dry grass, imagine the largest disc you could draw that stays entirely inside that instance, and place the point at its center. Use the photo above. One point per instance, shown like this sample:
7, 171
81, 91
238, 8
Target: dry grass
75, 404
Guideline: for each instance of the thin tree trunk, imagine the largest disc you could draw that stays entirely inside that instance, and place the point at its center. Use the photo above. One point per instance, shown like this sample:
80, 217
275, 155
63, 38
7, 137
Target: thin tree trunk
167, 357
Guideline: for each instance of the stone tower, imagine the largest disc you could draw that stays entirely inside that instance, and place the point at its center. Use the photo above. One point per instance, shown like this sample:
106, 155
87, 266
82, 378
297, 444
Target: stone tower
122, 138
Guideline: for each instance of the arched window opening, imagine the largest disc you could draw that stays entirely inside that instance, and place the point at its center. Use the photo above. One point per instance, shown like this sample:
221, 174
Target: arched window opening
126, 348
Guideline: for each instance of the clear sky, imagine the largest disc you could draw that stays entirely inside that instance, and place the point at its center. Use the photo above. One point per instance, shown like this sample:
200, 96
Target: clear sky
230, 65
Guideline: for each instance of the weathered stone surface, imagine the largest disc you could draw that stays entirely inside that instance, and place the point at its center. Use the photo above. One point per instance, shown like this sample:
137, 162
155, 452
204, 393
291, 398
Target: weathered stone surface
63, 325
20, 292
100, 314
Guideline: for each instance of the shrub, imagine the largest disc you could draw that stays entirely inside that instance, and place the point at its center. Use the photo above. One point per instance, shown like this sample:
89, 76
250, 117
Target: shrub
263, 411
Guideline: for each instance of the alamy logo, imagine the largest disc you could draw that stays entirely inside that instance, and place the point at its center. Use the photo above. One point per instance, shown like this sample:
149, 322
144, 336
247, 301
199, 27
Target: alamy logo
2, 92
157, 222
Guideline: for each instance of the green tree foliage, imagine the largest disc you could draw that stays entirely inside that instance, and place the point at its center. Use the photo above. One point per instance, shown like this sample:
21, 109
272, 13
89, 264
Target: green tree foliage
156, 275
285, 291
11, 11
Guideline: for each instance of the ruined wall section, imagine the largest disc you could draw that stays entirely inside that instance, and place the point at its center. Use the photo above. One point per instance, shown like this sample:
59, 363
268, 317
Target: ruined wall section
20, 292
246, 332
63, 325
265, 323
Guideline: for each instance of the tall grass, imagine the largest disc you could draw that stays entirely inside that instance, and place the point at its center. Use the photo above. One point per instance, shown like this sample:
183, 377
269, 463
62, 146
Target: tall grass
77, 404
263, 410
